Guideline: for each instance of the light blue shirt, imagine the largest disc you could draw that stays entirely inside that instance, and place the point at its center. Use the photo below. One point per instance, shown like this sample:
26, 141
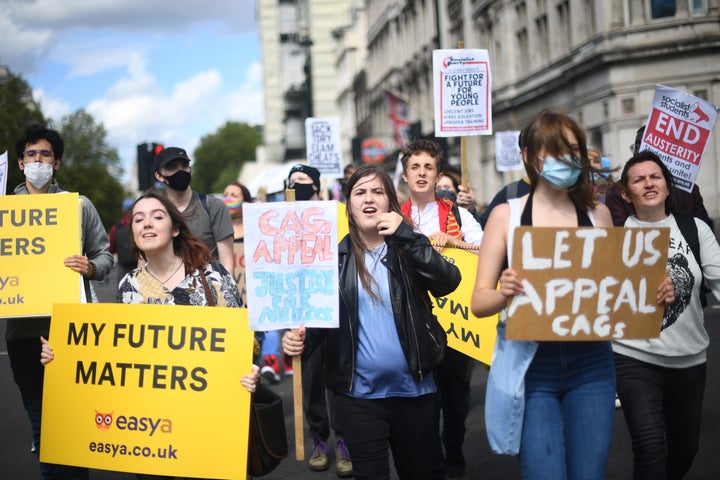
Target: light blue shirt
381, 369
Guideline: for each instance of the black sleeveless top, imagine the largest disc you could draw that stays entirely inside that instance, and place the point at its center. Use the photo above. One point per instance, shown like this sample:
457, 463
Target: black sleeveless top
526, 217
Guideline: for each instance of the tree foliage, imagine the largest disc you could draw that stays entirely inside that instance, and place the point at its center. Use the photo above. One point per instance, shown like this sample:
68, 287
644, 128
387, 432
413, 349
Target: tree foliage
220, 156
18, 110
90, 166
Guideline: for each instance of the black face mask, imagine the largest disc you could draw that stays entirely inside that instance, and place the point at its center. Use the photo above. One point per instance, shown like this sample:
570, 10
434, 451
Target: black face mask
179, 180
449, 194
304, 191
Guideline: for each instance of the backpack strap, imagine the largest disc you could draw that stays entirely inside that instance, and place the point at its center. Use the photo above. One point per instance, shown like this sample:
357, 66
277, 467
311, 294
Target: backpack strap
689, 231
203, 200
456, 212
512, 190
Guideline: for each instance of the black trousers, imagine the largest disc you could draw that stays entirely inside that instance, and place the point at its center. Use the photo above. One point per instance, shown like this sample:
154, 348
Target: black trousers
453, 380
407, 426
318, 404
662, 408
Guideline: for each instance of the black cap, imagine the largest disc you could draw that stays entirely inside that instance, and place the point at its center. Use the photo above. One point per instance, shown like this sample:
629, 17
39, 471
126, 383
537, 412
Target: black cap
169, 154
311, 172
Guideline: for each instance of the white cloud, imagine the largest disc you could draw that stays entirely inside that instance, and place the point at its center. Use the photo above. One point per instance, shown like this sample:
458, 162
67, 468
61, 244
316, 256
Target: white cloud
52, 107
136, 110
113, 41
34, 25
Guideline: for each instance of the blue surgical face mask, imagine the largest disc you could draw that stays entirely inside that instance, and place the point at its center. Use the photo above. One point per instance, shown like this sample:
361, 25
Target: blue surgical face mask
559, 174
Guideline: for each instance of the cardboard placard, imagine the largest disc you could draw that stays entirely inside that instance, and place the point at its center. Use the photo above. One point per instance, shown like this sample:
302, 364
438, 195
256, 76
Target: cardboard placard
587, 283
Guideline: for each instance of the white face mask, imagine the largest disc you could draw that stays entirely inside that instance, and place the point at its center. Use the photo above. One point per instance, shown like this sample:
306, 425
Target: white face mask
38, 174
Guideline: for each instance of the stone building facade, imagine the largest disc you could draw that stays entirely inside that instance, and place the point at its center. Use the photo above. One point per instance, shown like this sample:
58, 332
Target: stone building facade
597, 60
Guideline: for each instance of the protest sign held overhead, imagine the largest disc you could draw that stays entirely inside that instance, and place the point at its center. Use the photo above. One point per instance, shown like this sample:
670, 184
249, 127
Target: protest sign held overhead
677, 130
291, 264
462, 83
148, 389
587, 283
507, 152
37, 232
324, 150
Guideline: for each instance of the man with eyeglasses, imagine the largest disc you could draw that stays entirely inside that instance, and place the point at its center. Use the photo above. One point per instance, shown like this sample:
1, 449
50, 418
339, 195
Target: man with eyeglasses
689, 203
40, 153
206, 216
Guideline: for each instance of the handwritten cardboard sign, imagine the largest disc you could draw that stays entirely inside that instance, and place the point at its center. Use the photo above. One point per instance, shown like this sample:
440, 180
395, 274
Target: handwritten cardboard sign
291, 264
466, 333
37, 232
587, 283
149, 389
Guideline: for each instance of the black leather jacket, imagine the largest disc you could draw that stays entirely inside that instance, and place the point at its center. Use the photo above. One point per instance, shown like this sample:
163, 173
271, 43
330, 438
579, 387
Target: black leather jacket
422, 338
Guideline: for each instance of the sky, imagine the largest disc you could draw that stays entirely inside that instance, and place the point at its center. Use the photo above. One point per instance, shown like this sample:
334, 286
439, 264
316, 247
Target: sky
166, 71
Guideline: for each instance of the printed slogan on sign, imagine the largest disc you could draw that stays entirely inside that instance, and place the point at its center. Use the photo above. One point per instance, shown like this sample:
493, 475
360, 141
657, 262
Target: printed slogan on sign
291, 264
148, 389
587, 283
678, 129
466, 333
37, 232
461, 80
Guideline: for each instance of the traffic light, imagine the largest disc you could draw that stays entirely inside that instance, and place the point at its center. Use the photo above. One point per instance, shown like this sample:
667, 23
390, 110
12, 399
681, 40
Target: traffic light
146, 153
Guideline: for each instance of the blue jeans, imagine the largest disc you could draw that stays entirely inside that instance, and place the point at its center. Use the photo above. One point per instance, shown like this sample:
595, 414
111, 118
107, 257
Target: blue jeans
662, 408
271, 343
569, 410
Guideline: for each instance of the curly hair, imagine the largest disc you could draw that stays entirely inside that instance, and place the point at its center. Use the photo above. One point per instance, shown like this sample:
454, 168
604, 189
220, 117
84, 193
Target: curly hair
424, 146
35, 133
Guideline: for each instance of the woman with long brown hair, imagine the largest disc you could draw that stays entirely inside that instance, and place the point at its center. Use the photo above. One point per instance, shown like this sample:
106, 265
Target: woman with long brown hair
380, 359
551, 403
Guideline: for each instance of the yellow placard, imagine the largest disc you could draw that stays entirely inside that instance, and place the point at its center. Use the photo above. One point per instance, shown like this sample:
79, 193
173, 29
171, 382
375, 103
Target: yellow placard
466, 333
37, 232
342, 221
587, 283
148, 389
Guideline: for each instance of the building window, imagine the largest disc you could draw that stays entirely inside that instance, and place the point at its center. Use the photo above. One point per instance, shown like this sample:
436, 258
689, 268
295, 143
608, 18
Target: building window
521, 34
590, 17
663, 8
628, 105
563, 13
698, 6
524, 57
543, 50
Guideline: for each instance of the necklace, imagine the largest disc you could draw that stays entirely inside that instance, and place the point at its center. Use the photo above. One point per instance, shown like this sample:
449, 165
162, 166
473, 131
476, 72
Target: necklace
168, 278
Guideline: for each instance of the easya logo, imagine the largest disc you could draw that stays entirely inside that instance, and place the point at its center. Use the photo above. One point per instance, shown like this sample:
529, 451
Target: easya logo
10, 281
103, 421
